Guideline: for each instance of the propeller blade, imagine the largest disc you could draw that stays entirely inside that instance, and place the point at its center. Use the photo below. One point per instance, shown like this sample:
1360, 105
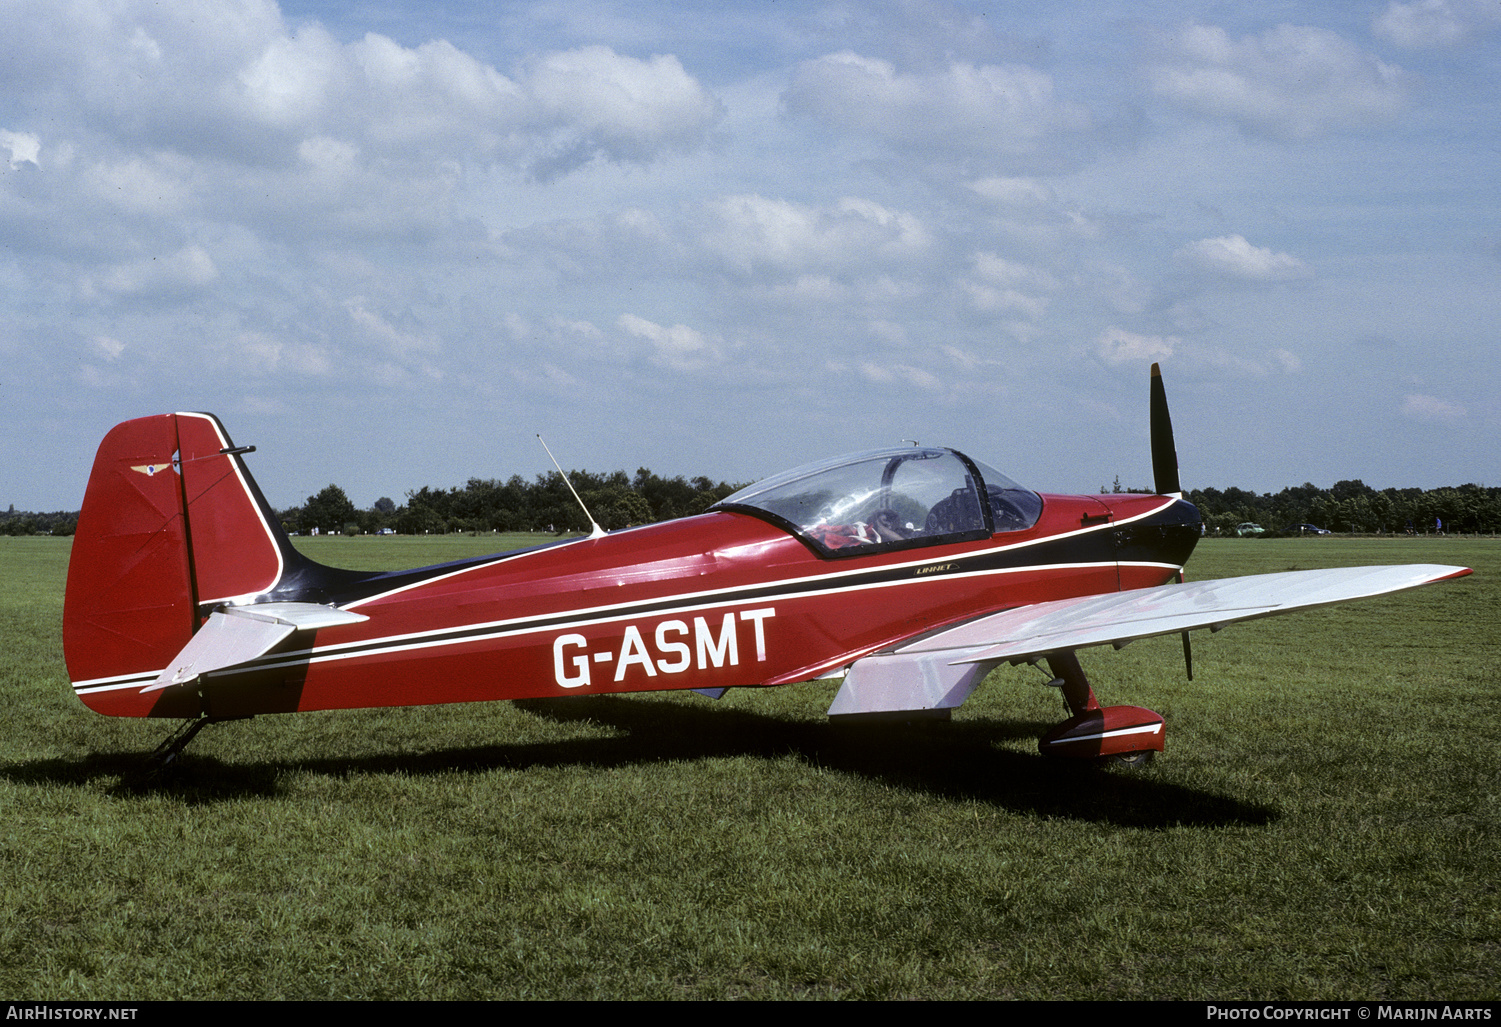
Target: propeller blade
1188, 651
1164, 452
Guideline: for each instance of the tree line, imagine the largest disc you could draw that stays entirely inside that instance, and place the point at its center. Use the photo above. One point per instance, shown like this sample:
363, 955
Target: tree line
1351, 507
618, 500
515, 504
1355, 507
24, 522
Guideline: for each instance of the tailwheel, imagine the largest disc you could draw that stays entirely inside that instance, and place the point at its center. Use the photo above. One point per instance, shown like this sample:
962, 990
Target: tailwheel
172, 746
166, 754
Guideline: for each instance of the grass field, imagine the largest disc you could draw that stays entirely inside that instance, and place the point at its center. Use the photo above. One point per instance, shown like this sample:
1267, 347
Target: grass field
1324, 824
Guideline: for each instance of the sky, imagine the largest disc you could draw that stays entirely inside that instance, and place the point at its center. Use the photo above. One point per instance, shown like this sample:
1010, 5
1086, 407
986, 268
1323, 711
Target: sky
390, 242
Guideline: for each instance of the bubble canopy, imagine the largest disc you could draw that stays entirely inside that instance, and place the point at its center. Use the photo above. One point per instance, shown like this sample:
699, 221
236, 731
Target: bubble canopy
897, 498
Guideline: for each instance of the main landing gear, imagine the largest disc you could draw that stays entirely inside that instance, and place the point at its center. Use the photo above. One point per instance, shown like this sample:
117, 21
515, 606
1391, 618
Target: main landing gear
1125, 736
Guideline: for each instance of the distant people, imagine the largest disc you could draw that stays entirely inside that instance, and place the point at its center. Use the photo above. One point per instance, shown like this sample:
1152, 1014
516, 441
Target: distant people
1438, 525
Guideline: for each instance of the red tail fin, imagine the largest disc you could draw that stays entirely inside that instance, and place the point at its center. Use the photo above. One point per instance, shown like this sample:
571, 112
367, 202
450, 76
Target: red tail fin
172, 524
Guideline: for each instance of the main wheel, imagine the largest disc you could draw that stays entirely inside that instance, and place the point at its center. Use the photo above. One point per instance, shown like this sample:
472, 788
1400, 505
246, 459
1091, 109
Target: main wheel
1130, 760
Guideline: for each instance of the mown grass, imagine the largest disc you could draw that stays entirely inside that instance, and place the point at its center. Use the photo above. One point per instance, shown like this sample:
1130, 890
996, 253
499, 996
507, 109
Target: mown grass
1322, 825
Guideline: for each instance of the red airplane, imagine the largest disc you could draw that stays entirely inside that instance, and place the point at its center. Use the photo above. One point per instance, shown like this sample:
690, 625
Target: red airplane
910, 572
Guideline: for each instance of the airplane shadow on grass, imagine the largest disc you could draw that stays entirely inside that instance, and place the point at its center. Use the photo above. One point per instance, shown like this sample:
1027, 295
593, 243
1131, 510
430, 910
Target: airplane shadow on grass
951, 760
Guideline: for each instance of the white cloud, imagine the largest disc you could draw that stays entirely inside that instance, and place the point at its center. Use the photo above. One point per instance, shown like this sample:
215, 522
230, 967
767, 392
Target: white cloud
109, 348
293, 79
1291, 81
809, 289
24, 147
1117, 346
1420, 407
754, 231
679, 347
999, 271
992, 109
892, 374
230, 79
258, 353
1015, 192
1009, 287
398, 342
157, 185
1011, 301
619, 106
187, 270
574, 328
1232, 256
1432, 24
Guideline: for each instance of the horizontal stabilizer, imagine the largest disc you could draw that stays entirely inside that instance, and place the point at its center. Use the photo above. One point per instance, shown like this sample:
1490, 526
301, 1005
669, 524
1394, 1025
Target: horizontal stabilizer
238, 634
940, 670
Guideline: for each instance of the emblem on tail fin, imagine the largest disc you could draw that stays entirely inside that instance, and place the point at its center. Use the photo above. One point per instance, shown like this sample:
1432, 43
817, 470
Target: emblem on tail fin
150, 470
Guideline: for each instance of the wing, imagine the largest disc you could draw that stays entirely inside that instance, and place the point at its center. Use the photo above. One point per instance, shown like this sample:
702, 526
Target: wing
939, 670
239, 634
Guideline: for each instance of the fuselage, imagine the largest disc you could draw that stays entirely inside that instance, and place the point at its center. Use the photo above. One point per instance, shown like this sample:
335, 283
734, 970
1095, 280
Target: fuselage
724, 599
792, 578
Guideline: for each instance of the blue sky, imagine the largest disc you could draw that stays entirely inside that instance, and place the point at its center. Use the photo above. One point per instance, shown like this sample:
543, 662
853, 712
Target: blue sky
389, 242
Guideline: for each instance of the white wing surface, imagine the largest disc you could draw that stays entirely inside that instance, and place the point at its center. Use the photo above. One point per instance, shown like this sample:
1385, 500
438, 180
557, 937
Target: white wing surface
940, 670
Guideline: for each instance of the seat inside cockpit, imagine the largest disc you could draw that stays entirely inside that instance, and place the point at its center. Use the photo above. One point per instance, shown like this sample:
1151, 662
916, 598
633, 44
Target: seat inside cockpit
891, 498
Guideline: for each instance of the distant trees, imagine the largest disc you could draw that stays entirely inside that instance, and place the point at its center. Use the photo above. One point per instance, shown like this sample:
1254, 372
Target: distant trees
329, 511
545, 504
59, 522
618, 500
1353, 506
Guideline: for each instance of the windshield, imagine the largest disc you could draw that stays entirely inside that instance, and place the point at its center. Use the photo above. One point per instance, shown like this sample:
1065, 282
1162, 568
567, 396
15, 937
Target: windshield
893, 498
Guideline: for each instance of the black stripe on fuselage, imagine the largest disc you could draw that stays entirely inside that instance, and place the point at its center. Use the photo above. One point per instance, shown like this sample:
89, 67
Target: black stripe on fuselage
1090, 548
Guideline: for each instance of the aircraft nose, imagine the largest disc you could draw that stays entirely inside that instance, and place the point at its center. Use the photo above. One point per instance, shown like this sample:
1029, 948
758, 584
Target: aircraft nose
1166, 535
1184, 512
1180, 520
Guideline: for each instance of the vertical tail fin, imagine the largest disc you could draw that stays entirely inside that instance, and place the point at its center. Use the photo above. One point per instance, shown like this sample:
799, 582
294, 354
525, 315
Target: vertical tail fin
172, 525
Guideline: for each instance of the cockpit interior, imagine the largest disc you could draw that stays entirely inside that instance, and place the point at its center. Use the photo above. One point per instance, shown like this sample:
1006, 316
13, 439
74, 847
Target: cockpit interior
895, 498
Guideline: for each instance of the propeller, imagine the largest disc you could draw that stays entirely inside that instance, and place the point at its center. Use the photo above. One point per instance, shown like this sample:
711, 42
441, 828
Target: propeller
1164, 453
1165, 472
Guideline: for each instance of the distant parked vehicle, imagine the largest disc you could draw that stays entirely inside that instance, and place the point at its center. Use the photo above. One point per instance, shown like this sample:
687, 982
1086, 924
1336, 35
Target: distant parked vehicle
1298, 530
1246, 529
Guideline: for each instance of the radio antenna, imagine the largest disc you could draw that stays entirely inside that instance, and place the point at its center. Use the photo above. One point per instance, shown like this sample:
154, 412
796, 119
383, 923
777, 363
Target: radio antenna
598, 532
